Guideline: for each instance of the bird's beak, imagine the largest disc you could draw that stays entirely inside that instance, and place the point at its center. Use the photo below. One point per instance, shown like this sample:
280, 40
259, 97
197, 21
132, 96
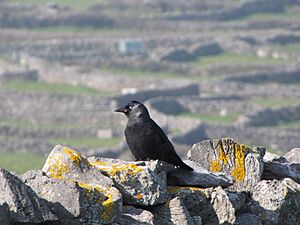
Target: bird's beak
122, 110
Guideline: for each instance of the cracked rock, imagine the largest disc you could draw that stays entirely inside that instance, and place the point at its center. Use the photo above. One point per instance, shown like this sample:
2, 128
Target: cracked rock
67, 164
25, 205
276, 202
141, 183
226, 155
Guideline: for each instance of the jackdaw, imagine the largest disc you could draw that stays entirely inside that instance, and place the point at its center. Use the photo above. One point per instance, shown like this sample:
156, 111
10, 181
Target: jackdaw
146, 139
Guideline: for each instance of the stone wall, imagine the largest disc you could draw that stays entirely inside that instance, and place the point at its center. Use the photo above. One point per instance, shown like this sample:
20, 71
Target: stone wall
270, 117
231, 184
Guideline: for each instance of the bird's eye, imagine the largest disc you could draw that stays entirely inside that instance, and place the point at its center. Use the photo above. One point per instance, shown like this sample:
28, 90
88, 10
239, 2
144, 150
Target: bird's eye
130, 107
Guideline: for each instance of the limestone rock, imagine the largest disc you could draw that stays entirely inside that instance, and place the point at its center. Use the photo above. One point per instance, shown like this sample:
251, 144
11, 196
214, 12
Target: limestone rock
73, 203
293, 156
141, 183
226, 155
172, 212
24, 204
212, 205
198, 178
197, 202
270, 157
276, 202
135, 216
277, 170
4, 213
247, 219
226, 204
64, 163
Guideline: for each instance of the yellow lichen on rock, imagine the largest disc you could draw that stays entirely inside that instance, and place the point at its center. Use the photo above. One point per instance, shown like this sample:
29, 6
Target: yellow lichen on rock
239, 170
75, 156
215, 166
106, 199
222, 155
110, 207
117, 168
57, 167
176, 189
228, 151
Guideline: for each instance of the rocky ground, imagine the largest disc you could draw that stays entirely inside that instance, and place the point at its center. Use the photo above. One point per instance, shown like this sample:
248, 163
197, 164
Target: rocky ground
231, 184
206, 69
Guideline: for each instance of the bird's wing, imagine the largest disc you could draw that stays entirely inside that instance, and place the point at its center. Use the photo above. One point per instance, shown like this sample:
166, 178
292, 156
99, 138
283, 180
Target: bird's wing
166, 150
162, 138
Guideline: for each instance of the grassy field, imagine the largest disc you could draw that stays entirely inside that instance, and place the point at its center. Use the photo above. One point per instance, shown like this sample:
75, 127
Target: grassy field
290, 48
272, 16
33, 86
87, 142
233, 59
140, 73
274, 102
74, 4
293, 124
56, 126
21, 162
228, 119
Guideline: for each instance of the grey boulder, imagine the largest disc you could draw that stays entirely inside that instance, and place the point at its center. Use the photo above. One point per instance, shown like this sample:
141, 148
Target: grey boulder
25, 205
67, 164
141, 183
276, 202
226, 155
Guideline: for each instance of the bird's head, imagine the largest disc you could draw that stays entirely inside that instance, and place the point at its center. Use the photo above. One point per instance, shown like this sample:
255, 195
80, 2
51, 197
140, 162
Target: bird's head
134, 109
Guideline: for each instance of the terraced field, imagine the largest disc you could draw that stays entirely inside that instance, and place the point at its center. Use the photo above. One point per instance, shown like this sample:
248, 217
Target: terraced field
62, 74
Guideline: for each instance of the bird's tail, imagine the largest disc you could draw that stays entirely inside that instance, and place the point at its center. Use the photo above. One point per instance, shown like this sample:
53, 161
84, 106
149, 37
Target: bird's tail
186, 167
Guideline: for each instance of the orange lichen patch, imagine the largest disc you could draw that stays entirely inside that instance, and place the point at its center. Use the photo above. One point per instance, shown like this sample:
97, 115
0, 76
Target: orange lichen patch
239, 171
74, 156
138, 196
57, 167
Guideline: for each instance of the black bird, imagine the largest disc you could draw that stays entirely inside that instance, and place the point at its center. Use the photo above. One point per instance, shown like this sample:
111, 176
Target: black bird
146, 139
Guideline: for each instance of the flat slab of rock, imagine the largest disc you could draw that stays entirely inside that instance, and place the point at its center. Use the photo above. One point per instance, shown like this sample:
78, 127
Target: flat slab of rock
198, 178
67, 164
277, 170
276, 202
25, 205
226, 155
141, 183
